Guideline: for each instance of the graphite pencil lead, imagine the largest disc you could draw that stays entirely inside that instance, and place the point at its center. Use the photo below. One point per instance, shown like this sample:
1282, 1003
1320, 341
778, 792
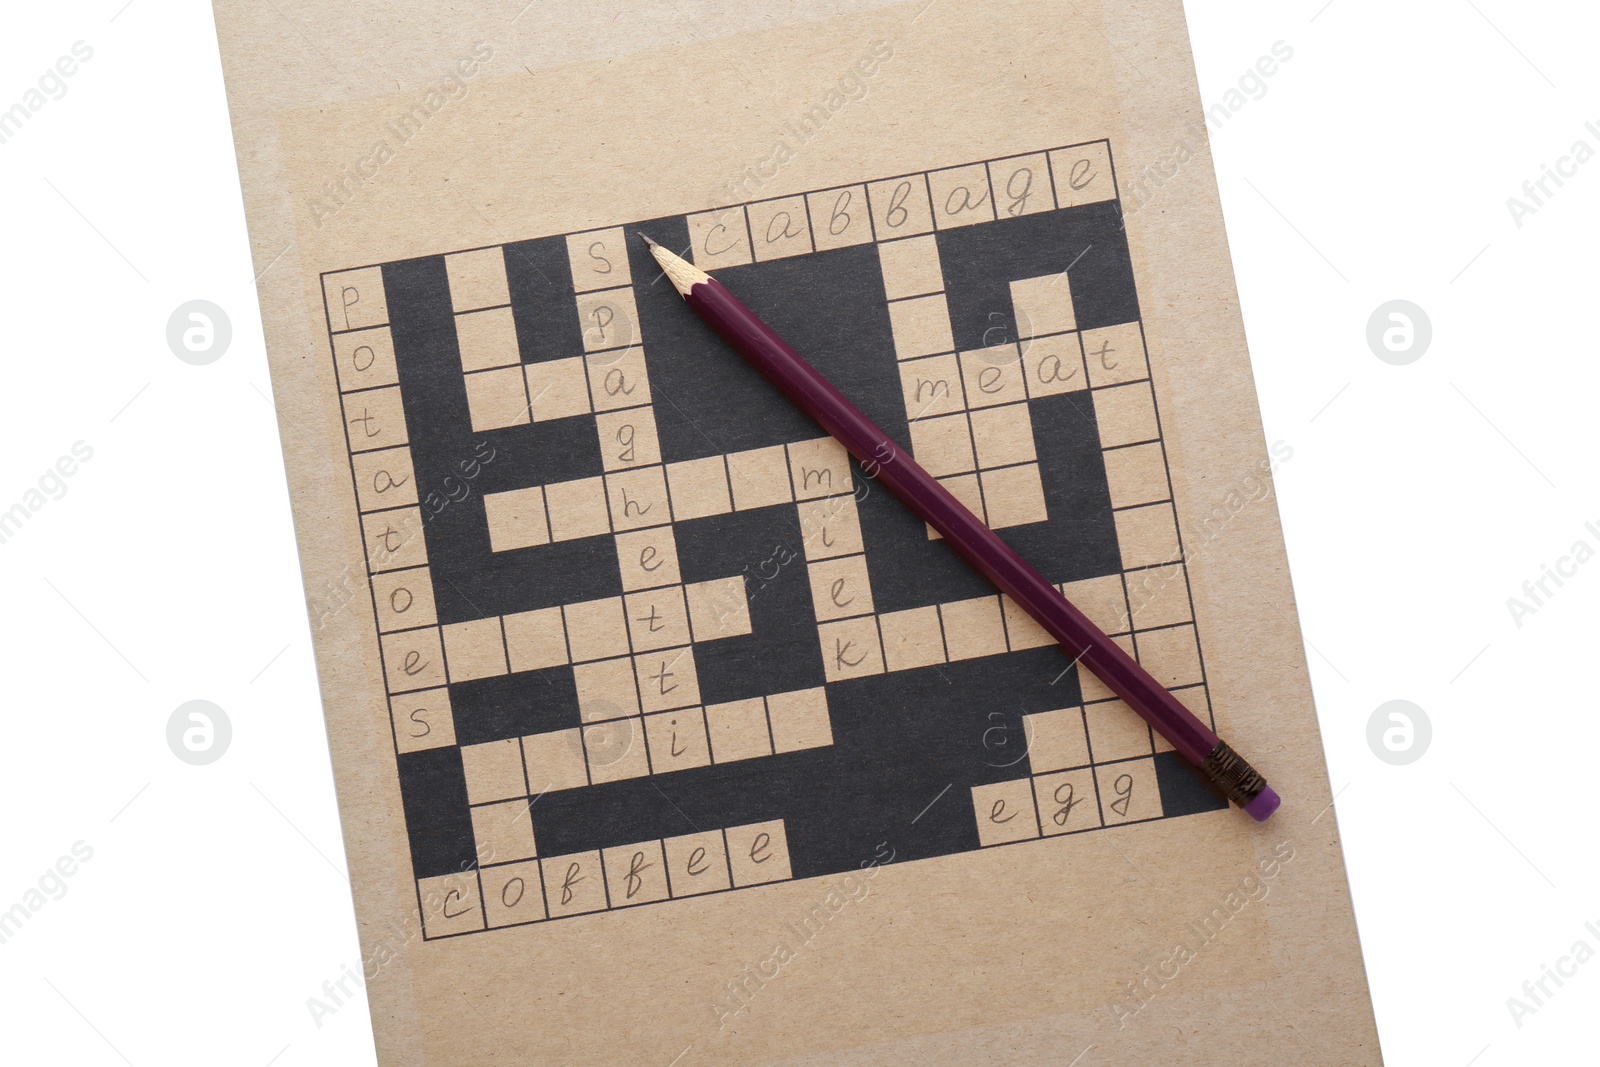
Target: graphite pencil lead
650, 240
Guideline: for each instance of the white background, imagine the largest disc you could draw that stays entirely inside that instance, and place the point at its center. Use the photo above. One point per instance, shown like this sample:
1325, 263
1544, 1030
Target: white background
1376, 166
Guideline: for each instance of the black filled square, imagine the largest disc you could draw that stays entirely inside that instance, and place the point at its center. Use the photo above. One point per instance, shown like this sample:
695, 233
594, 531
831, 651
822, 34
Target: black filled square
470, 582
907, 569
514, 705
1079, 540
1183, 791
981, 262
539, 277
781, 653
433, 792
829, 306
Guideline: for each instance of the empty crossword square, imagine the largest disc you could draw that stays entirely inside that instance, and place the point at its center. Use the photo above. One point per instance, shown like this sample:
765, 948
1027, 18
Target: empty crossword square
840, 217
943, 445
513, 893
973, 628
1115, 355
1067, 801
648, 558
921, 326
497, 399
487, 339
1171, 655
557, 389
830, 527
1129, 791
474, 649
1083, 174
636, 874
1137, 475
1022, 631
738, 730
628, 439
965, 488
516, 519
1115, 731
422, 720
1013, 496
758, 853
606, 689
573, 884
493, 771
719, 239
1005, 812
780, 228
1125, 414
616, 750
850, 648
503, 832
1003, 436
1043, 305
638, 498
667, 679
1089, 683
1159, 596
911, 638
1197, 700
1101, 599
477, 279
840, 588
535, 639
718, 608
961, 196
609, 319
677, 740
697, 863
799, 720
374, 418
657, 618
618, 379
992, 376
577, 509
554, 761
1147, 536
1057, 740
414, 659
932, 386
599, 259
1021, 185
759, 478
404, 599
910, 267
355, 298
1053, 365
596, 629
384, 479
900, 207
819, 468
699, 488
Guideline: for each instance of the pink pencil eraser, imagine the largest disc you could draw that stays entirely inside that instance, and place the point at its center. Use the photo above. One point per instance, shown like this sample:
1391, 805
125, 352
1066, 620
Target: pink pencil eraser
1266, 802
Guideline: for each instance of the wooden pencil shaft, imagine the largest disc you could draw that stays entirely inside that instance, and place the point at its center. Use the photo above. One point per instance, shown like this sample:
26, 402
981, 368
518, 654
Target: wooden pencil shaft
930, 501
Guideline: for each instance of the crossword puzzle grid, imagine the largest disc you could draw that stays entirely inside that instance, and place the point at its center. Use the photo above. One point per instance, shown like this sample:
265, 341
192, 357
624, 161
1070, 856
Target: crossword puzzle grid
648, 634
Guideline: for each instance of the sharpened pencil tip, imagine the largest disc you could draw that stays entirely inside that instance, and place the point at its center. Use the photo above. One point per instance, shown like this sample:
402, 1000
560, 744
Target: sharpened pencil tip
683, 274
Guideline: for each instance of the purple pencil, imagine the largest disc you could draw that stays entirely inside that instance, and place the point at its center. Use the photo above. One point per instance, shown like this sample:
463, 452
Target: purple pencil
983, 550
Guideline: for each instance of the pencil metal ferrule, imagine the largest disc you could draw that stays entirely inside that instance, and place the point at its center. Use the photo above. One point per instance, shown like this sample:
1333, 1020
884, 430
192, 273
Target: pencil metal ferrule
1228, 771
